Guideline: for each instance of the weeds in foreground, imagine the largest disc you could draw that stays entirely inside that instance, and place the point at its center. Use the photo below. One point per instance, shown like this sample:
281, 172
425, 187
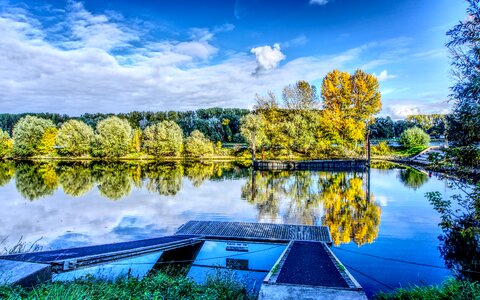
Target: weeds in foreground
156, 286
454, 289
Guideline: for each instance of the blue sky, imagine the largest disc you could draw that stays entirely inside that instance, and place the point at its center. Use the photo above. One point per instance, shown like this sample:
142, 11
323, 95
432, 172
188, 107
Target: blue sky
119, 56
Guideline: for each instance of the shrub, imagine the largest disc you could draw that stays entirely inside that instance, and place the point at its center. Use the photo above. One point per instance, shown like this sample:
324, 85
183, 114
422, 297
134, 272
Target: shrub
163, 139
414, 137
74, 138
28, 133
113, 138
381, 149
198, 145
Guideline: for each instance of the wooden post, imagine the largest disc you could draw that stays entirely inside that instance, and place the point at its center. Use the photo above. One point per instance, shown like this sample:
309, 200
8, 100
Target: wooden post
368, 148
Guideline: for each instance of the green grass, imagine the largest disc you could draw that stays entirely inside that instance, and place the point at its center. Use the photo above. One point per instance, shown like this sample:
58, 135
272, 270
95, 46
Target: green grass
158, 286
408, 151
450, 289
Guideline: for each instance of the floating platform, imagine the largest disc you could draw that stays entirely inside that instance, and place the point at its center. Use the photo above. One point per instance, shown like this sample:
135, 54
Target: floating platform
256, 231
309, 270
316, 165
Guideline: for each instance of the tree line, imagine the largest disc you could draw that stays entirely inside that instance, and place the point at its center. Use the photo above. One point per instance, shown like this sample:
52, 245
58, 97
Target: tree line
217, 124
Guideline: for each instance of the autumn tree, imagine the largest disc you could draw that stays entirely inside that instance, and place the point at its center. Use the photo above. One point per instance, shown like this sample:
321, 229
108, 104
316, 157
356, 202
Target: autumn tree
351, 101
6, 144
28, 133
47, 143
74, 138
112, 138
163, 139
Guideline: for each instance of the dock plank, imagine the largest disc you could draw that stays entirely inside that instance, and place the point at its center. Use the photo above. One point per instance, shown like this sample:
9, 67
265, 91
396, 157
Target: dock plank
284, 232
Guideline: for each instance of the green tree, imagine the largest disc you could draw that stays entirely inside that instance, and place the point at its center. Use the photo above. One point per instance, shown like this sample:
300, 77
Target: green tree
198, 145
163, 139
74, 138
6, 144
414, 137
28, 133
252, 130
464, 47
113, 138
47, 143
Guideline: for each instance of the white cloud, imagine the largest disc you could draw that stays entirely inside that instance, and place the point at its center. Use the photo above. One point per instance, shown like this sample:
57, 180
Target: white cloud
298, 41
383, 76
72, 67
319, 2
267, 57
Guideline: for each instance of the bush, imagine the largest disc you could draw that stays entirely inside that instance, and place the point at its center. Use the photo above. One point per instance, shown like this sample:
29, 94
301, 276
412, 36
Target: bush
163, 139
198, 145
113, 138
74, 138
27, 134
381, 149
414, 137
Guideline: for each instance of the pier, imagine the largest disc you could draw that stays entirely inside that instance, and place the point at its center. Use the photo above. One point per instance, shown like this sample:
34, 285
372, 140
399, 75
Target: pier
315, 165
278, 261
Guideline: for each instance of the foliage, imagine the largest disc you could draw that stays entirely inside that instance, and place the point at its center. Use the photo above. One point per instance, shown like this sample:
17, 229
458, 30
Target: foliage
136, 142
47, 143
156, 286
163, 139
197, 145
6, 144
460, 222
451, 289
113, 180
252, 130
300, 96
414, 137
112, 138
354, 96
27, 135
381, 149
465, 54
74, 138
34, 181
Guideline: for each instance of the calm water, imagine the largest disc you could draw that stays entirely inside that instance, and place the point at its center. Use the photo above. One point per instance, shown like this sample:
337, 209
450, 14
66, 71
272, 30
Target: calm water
77, 204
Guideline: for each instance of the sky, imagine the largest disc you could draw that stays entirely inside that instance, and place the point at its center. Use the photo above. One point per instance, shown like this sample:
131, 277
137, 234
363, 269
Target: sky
90, 56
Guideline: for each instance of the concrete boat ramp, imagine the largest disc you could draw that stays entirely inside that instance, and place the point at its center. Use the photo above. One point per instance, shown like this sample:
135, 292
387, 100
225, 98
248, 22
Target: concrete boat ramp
277, 261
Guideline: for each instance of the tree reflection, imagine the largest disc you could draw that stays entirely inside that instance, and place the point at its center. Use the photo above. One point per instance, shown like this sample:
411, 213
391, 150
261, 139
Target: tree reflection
113, 179
76, 180
412, 178
35, 180
6, 172
342, 197
263, 190
349, 213
165, 179
460, 222
198, 172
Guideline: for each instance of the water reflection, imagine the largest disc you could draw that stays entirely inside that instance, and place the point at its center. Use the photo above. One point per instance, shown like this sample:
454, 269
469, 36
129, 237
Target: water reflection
412, 178
114, 180
339, 200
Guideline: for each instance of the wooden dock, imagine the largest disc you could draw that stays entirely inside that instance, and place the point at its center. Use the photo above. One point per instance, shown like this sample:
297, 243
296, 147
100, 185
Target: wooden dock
317, 165
256, 231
